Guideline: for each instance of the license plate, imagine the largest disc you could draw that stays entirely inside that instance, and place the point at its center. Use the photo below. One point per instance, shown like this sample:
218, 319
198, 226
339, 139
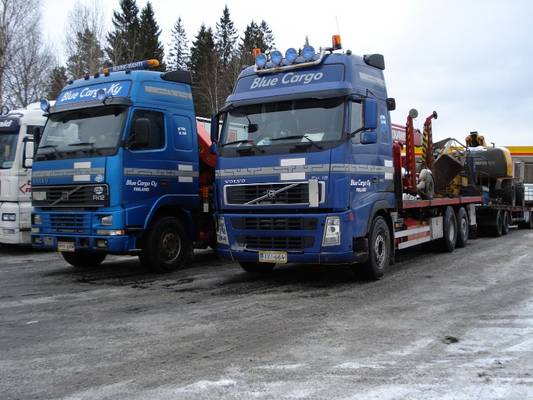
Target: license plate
276, 257
67, 247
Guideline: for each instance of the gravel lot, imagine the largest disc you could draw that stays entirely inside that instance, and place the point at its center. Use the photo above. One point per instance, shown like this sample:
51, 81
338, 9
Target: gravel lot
439, 326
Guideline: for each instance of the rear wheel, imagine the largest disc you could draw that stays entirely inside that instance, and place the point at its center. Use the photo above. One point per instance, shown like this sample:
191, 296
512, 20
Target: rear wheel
84, 259
463, 226
256, 267
506, 221
449, 240
527, 225
497, 224
379, 253
167, 247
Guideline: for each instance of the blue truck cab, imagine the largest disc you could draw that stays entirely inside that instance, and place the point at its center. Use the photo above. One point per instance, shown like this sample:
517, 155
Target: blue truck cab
118, 170
305, 160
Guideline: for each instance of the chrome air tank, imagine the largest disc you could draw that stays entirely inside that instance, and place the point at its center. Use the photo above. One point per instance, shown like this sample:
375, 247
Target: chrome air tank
492, 162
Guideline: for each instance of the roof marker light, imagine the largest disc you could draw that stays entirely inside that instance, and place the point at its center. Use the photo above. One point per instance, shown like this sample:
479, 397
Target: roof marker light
276, 57
308, 53
260, 60
336, 42
45, 105
291, 55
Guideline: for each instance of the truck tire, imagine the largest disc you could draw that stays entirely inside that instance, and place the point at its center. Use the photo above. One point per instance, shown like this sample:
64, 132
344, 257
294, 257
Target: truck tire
449, 240
506, 221
509, 192
167, 247
379, 253
463, 228
256, 267
527, 225
84, 259
496, 228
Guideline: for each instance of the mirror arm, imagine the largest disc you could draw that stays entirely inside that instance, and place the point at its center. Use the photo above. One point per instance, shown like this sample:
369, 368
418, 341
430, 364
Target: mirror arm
361, 129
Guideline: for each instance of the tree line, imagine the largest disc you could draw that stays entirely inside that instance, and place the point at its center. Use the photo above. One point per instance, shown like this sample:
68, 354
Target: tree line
215, 56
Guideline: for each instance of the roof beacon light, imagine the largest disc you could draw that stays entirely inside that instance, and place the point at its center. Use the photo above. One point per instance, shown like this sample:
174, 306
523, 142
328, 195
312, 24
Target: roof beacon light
145, 64
45, 105
291, 55
276, 57
260, 60
308, 53
255, 52
336, 42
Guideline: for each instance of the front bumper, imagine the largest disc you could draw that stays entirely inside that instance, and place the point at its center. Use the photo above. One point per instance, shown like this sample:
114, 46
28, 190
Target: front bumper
113, 244
18, 231
311, 251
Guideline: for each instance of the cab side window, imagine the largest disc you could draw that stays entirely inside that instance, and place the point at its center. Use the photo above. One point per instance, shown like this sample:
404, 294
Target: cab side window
356, 120
157, 129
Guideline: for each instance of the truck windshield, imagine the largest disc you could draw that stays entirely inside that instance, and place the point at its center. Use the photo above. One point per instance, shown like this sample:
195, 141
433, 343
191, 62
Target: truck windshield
94, 131
278, 127
8, 147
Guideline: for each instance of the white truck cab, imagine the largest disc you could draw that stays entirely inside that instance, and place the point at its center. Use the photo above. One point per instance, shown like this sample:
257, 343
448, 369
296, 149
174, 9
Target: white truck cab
18, 128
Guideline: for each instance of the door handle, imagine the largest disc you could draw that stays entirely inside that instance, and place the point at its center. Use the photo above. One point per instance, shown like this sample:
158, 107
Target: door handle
163, 182
375, 179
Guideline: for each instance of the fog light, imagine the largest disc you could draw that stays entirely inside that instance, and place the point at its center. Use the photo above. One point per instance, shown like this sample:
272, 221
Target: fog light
37, 220
105, 232
37, 240
332, 232
101, 243
106, 220
8, 231
222, 234
9, 217
35, 230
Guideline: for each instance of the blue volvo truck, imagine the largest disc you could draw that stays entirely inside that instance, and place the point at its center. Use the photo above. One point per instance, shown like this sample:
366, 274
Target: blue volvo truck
120, 170
308, 171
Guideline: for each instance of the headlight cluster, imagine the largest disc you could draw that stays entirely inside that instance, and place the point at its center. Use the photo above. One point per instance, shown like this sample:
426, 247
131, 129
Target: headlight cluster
11, 217
222, 234
332, 232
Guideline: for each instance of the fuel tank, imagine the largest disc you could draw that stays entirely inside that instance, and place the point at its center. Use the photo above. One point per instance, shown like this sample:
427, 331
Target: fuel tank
492, 162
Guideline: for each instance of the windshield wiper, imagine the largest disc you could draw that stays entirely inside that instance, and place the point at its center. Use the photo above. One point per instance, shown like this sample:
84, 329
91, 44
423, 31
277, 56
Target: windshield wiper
244, 141
312, 142
82, 144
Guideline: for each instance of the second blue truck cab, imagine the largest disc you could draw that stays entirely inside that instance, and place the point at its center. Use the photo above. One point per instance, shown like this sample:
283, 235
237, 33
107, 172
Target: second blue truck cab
305, 160
118, 171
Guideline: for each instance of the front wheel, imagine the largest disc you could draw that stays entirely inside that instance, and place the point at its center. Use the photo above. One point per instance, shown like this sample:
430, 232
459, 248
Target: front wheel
506, 221
84, 259
464, 229
449, 240
379, 249
167, 247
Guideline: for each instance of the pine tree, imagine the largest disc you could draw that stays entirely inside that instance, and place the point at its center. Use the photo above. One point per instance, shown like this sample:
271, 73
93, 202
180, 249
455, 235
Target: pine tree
268, 36
253, 38
86, 57
57, 81
204, 66
148, 42
123, 40
178, 55
228, 61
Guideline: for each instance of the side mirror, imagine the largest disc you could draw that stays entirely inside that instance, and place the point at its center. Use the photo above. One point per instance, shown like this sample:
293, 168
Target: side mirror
391, 104
369, 137
370, 114
141, 132
27, 152
213, 148
215, 126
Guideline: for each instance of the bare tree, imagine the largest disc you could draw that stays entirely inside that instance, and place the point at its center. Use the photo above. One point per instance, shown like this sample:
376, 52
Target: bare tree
16, 18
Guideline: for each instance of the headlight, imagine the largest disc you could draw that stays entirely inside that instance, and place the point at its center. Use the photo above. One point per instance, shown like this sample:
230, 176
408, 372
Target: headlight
332, 232
37, 220
222, 234
106, 220
9, 217
115, 232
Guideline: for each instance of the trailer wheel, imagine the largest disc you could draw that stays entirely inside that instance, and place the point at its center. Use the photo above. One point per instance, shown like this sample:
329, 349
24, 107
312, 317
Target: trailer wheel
463, 231
379, 253
256, 267
506, 221
527, 225
167, 247
84, 259
449, 239
497, 226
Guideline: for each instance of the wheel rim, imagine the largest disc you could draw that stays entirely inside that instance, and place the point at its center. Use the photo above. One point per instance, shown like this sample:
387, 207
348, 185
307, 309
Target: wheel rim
170, 246
451, 232
380, 249
464, 226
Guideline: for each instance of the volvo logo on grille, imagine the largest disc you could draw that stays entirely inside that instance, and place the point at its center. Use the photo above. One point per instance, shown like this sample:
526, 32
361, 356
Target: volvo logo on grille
98, 190
271, 194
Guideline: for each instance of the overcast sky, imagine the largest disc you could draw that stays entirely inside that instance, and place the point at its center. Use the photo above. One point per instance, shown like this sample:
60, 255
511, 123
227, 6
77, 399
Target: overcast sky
471, 61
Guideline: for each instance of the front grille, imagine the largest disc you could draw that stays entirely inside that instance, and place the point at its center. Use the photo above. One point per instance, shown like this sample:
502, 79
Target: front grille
274, 224
70, 223
276, 242
270, 193
70, 196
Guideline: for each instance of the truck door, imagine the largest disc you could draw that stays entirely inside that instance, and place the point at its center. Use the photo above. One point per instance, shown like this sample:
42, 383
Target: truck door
147, 169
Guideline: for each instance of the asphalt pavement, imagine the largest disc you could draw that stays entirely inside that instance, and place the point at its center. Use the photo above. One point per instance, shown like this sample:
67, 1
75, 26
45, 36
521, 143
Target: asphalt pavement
438, 326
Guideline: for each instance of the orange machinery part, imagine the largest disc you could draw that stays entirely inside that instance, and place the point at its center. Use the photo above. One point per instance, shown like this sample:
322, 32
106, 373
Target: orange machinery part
204, 142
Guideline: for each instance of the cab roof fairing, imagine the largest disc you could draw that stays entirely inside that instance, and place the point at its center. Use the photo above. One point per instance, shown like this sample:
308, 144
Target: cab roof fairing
357, 78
